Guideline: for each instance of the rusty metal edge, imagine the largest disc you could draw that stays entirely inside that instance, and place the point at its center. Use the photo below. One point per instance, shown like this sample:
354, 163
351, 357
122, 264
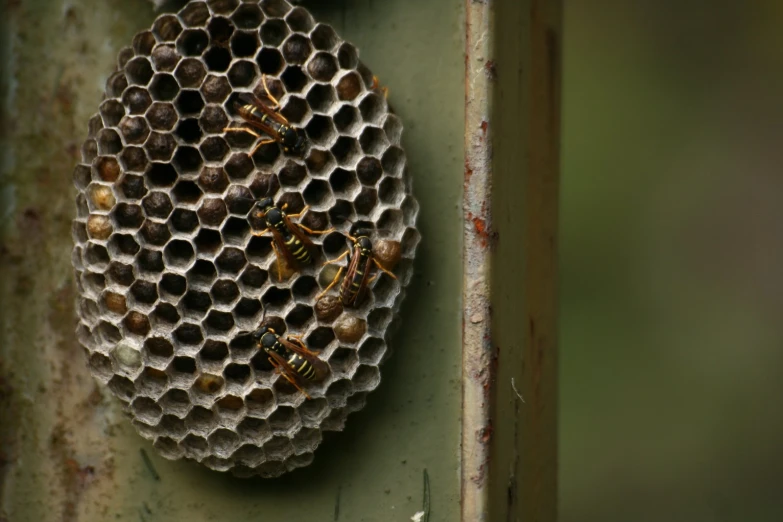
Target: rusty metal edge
505, 475
476, 335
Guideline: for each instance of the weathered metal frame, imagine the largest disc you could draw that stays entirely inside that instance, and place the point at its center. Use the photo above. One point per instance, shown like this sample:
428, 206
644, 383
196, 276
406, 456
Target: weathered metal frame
512, 125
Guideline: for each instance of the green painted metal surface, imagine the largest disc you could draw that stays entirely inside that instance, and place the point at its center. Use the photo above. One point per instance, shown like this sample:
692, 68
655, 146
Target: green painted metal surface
69, 454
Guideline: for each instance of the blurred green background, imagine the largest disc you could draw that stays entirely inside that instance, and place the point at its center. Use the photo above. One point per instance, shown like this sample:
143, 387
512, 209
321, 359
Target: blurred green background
671, 342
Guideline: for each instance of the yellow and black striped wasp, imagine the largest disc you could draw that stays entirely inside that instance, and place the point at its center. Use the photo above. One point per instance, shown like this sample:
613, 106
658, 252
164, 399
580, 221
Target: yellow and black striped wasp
269, 121
357, 274
290, 357
288, 238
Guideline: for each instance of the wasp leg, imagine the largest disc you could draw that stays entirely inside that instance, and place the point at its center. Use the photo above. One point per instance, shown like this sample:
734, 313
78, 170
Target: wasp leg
376, 86
373, 278
331, 285
242, 129
338, 258
315, 232
380, 267
260, 144
278, 363
272, 98
305, 209
259, 234
277, 256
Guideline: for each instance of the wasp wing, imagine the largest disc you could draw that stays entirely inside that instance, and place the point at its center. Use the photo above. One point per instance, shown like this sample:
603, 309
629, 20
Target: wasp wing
283, 249
279, 362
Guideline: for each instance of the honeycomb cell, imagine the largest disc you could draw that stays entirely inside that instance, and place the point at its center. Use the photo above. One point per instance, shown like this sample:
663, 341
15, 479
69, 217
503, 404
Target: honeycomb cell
244, 44
390, 219
189, 102
109, 143
243, 73
372, 350
157, 204
160, 147
146, 410
115, 303
344, 361
215, 89
115, 84
190, 73
321, 98
237, 373
187, 160
224, 7
128, 216
165, 58
172, 425
188, 334
144, 292
212, 212
208, 242
220, 30
121, 273
215, 149
154, 233
178, 253
134, 130
217, 59
349, 328
366, 201
172, 286
324, 38
99, 227
322, 67
297, 49
137, 323
349, 86
196, 302
393, 128
183, 220
390, 191
208, 384
218, 322
122, 387
192, 42
193, 445
165, 314
347, 121
187, 192
230, 406
89, 150
347, 56
300, 20
320, 338
320, 130
133, 159
213, 120
189, 131
136, 99
294, 79
112, 112
373, 141
138, 71
166, 28
176, 401
125, 54
253, 278
236, 231
270, 61
388, 252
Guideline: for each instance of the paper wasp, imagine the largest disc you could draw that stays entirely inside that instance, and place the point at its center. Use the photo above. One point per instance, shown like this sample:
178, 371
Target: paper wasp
288, 238
290, 357
357, 273
376, 86
269, 121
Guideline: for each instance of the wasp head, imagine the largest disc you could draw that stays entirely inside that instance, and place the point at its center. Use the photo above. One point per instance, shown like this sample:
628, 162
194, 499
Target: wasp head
293, 141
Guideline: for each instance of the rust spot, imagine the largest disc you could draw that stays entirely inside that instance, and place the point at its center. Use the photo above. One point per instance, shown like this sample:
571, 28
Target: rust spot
484, 126
485, 434
468, 172
481, 229
491, 69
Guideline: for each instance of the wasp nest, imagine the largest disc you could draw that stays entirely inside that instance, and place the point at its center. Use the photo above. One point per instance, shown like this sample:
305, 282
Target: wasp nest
170, 276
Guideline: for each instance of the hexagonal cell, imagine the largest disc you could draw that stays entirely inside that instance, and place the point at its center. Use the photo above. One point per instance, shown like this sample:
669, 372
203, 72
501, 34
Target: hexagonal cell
99, 227
165, 314
109, 142
195, 14
283, 419
278, 448
188, 130
300, 316
322, 67
125, 54
137, 323
236, 231
231, 261
391, 191
160, 147
220, 30
254, 277
349, 86
157, 204
196, 303
89, 150
212, 212
192, 42
154, 233
295, 110
347, 56
247, 312
179, 253
373, 141
190, 73
138, 71
115, 303
208, 384
217, 59
166, 28
346, 120
294, 79
349, 328
256, 430
172, 286
134, 159
163, 87
372, 351
202, 274
320, 130
193, 445
214, 149
208, 241
187, 160
189, 102
187, 192
230, 406
112, 112
391, 219
172, 425
296, 49
344, 361
165, 58
218, 322
190, 334
128, 216
324, 38
244, 44
136, 99
243, 73
176, 401
237, 373
144, 292
121, 387
134, 130
215, 89
320, 338
121, 274
183, 220
321, 98
239, 166
162, 116
146, 410
346, 151
366, 201
270, 61
152, 382
379, 319
115, 84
